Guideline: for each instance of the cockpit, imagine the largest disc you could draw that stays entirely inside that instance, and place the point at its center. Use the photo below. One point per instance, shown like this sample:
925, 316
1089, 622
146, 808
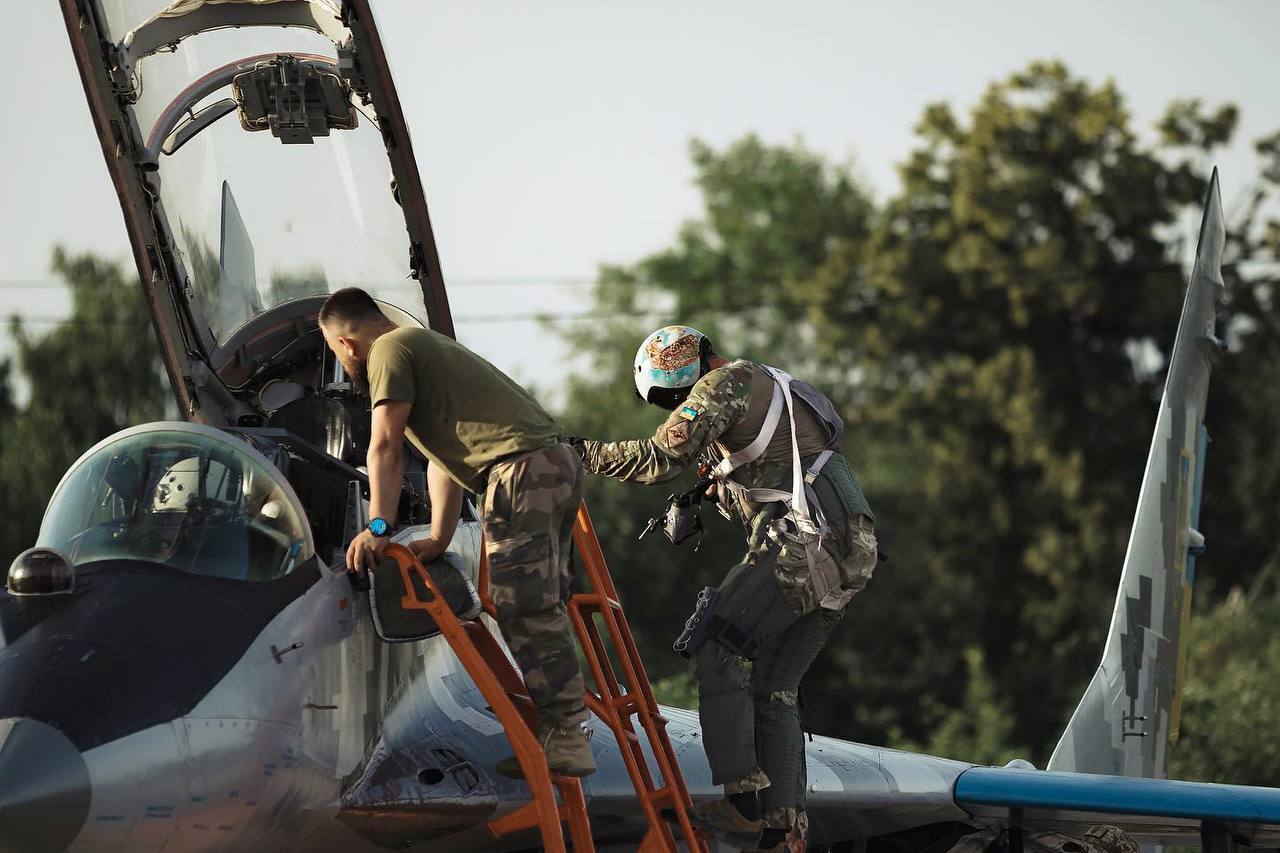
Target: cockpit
262, 162
185, 496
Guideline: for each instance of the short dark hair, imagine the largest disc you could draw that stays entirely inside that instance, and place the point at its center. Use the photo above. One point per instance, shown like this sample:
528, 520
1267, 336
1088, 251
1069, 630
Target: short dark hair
350, 305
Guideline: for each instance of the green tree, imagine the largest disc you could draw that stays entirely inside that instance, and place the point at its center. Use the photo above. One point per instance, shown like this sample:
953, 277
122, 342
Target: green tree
981, 729
88, 378
774, 214
1232, 700
999, 304
1242, 487
995, 335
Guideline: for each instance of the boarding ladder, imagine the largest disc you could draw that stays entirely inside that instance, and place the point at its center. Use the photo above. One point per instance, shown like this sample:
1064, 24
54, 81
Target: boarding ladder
619, 705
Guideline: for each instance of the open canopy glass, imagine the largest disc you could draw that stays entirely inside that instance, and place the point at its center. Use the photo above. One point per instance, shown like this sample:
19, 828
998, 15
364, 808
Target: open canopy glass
273, 177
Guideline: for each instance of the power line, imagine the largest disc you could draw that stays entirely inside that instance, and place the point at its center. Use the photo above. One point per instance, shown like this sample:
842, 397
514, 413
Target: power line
513, 281
463, 319
755, 305
570, 280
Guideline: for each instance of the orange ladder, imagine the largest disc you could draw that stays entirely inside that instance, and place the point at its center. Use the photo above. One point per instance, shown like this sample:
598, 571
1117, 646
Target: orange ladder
502, 687
616, 705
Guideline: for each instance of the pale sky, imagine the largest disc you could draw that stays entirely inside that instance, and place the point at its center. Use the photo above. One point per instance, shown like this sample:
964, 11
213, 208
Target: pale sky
552, 137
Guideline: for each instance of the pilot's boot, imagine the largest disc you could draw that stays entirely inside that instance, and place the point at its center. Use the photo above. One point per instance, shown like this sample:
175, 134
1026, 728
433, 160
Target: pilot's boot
1108, 839
794, 839
568, 751
722, 820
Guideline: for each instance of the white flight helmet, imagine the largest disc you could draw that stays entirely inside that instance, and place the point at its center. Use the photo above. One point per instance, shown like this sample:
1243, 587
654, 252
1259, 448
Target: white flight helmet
179, 488
668, 364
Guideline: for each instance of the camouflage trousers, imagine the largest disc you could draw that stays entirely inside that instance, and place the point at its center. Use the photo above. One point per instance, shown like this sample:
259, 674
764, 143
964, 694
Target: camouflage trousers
529, 509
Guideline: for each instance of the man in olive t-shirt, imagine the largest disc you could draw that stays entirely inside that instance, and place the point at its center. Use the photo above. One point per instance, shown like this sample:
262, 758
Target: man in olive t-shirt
484, 433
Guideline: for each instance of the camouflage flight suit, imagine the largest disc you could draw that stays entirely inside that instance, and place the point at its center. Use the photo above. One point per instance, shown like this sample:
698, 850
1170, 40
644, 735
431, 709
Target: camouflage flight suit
530, 505
749, 677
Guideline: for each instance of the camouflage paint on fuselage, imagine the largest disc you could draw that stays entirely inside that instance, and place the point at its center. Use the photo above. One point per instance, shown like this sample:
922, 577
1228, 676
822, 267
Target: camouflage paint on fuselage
1131, 710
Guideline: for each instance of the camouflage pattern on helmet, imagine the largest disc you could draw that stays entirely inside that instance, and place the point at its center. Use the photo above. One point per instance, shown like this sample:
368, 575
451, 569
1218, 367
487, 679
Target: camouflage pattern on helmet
530, 506
671, 357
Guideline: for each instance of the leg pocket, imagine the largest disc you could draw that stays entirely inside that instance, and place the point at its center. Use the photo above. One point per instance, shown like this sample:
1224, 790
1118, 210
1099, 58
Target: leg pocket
860, 563
522, 579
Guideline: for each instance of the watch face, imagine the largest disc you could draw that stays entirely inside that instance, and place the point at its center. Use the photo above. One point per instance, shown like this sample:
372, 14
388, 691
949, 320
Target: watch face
378, 527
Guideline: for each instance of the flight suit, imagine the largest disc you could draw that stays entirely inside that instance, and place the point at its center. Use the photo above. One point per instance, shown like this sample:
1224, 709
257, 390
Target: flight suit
767, 625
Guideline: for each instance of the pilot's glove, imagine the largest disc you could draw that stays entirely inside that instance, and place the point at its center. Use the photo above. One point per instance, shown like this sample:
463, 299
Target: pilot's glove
579, 445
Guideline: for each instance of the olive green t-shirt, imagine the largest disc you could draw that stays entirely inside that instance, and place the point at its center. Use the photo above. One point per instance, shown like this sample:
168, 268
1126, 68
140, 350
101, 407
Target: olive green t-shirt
466, 413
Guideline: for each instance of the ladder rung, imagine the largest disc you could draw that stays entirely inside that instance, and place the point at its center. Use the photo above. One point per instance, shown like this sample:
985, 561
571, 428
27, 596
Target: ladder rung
595, 602
544, 812
525, 817
487, 670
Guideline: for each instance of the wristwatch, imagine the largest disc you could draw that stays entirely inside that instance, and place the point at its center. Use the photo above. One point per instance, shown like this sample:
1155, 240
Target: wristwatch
379, 527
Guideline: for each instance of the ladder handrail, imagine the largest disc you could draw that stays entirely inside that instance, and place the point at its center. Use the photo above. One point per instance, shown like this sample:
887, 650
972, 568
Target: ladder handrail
613, 708
529, 753
639, 696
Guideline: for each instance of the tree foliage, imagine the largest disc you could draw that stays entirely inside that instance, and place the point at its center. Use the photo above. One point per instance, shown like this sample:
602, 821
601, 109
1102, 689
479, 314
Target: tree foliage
1232, 701
995, 334
94, 375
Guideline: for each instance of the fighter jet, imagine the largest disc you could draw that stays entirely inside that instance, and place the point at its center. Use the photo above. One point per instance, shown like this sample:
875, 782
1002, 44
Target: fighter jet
185, 664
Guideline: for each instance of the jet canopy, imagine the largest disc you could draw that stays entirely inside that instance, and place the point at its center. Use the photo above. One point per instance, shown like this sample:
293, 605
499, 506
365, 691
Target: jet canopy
271, 170
261, 156
185, 496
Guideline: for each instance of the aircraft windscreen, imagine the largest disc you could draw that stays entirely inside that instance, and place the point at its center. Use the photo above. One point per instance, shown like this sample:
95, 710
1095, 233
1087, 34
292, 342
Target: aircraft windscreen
257, 221
180, 496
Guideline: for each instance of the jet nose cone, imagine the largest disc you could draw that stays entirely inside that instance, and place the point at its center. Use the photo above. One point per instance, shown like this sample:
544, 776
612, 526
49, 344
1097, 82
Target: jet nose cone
44, 788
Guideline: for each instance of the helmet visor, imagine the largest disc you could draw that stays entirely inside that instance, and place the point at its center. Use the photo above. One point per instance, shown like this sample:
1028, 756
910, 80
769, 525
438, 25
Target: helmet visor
668, 398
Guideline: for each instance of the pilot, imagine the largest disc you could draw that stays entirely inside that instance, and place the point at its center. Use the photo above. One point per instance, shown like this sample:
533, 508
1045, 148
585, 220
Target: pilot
484, 433
178, 489
772, 445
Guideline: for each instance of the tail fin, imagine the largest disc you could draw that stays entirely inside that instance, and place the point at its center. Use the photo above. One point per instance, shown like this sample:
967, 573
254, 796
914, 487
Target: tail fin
1129, 715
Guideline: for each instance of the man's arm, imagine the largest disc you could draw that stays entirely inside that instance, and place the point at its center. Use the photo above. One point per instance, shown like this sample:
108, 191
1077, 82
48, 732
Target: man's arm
446, 506
386, 474
717, 402
386, 458
642, 461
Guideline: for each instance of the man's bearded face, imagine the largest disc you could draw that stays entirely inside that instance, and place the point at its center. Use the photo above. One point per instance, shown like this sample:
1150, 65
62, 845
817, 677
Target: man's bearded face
354, 365
358, 370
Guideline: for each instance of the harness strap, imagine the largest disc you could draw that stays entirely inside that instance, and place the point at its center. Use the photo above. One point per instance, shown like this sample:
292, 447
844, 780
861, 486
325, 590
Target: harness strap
801, 480
799, 500
770, 495
754, 450
816, 468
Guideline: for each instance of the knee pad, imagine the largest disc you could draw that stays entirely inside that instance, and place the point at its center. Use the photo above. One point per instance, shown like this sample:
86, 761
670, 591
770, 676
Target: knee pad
785, 698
